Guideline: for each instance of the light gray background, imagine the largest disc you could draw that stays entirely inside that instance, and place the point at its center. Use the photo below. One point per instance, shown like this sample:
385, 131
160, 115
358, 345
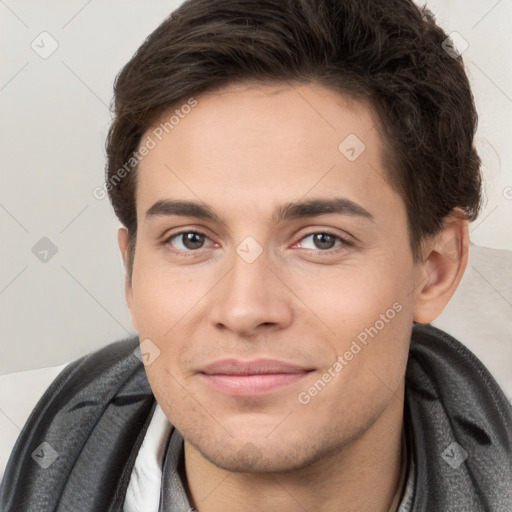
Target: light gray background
54, 117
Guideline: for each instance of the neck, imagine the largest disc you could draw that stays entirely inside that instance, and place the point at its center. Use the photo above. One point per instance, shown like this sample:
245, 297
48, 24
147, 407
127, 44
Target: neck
364, 475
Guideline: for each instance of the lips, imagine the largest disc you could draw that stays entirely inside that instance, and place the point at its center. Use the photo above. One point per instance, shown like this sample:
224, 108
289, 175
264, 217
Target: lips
234, 377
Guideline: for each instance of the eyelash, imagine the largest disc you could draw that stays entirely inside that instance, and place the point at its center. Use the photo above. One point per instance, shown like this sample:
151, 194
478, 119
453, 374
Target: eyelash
344, 242
166, 242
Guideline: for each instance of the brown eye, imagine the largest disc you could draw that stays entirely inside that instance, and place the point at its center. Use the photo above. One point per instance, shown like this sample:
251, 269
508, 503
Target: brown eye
193, 240
324, 240
320, 241
188, 241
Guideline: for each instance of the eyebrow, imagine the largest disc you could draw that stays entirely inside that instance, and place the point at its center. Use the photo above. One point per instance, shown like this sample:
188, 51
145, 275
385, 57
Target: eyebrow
288, 211
315, 207
165, 207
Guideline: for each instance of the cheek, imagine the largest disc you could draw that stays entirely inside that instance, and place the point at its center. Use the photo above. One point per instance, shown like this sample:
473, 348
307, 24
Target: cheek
169, 390
354, 294
163, 296
370, 348
166, 303
368, 311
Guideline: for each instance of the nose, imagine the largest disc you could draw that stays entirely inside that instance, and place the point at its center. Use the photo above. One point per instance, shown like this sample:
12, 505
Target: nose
251, 299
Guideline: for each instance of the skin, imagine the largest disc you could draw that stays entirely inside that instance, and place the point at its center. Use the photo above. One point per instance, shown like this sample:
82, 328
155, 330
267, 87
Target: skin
246, 151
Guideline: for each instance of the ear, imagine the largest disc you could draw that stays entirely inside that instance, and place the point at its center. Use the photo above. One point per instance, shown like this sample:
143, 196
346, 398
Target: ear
123, 241
445, 257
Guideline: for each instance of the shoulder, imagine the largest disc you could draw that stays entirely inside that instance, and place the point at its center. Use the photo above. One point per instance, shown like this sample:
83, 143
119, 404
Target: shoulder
21, 392
442, 368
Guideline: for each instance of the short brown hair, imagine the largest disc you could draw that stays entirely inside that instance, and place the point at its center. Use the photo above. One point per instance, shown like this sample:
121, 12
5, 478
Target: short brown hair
390, 54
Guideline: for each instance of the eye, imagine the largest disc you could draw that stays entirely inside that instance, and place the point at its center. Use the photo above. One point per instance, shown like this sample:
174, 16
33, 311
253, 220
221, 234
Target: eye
321, 241
188, 241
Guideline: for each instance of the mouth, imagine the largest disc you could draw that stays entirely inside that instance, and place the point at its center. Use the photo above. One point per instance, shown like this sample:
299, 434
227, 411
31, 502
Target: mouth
251, 378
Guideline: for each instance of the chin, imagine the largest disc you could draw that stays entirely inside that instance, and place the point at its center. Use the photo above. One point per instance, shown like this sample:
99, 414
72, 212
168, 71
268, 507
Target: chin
262, 456
251, 459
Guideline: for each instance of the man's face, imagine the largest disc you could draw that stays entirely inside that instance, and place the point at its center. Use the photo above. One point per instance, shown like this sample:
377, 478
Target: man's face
300, 270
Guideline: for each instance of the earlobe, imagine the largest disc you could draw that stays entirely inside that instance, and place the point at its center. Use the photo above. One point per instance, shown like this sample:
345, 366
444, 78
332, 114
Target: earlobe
441, 270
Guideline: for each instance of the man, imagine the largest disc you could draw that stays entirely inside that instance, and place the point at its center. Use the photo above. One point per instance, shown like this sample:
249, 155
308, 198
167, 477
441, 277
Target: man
295, 181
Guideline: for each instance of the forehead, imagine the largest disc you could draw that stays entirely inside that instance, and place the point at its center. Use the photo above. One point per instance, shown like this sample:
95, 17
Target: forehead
281, 142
